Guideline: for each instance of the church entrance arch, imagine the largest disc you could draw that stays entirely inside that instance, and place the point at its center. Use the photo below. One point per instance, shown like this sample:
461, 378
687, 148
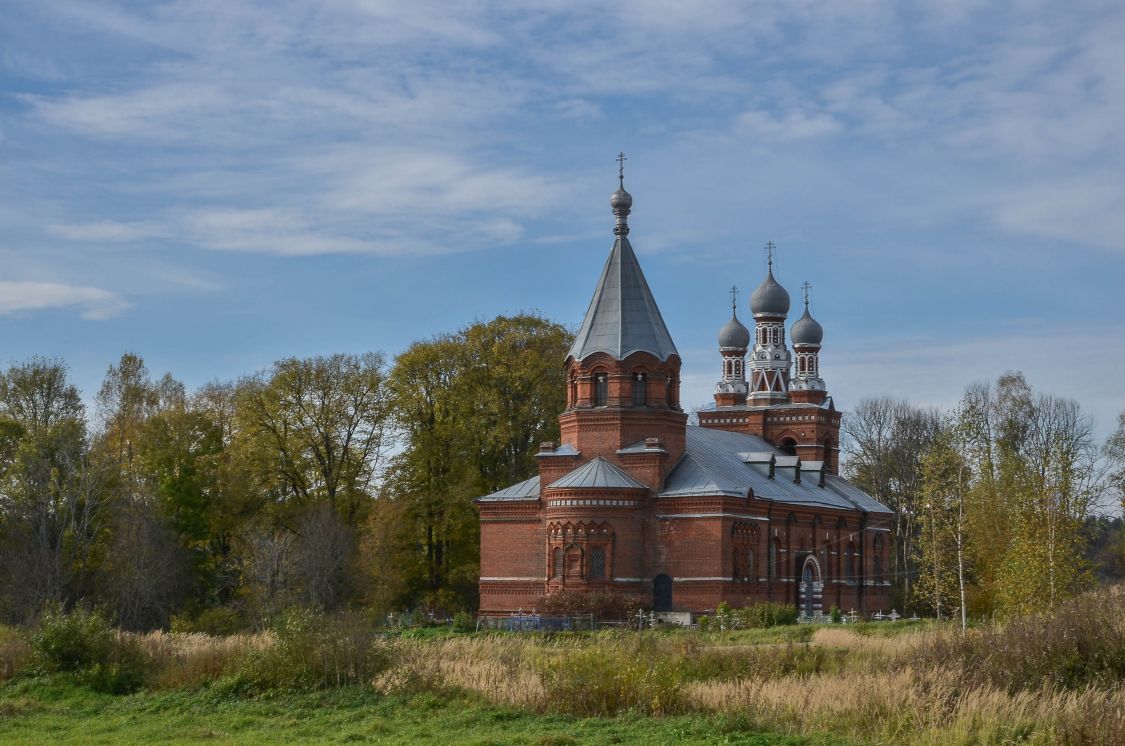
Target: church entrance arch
662, 593
809, 603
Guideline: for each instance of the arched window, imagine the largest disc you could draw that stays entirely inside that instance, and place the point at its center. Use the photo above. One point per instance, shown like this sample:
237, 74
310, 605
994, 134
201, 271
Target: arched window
826, 568
640, 389
773, 558
573, 391
750, 565
557, 562
601, 389
596, 569
849, 559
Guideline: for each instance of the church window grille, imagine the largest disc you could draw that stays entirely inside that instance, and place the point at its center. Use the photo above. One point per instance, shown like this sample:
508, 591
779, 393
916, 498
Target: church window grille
601, 389
640, 390
773, 558
849, 568
557, 561
597, 563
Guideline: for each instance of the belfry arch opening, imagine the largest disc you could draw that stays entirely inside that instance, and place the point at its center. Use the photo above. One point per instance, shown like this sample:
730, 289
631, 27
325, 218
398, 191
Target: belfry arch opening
789, 446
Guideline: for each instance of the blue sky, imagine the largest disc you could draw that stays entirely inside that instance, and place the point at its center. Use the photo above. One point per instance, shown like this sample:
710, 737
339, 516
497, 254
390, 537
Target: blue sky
217, 184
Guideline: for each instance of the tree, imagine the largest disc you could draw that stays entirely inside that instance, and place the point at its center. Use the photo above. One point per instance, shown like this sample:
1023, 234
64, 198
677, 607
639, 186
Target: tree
52, 498
318, 427
885, 441
469, 409
941, 550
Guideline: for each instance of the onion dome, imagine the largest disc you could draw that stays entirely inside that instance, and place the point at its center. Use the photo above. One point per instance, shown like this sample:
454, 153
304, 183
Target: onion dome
734, 334
621, 199
769, 298
807, 330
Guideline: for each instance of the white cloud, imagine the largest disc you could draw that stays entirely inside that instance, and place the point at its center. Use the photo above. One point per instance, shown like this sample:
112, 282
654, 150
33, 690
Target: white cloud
790, 125
103, 231
1089, 211
92, 303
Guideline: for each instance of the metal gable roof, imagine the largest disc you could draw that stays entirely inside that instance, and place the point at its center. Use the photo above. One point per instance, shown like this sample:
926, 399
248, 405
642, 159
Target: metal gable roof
525, 490
715, 463
623, 317
597, 474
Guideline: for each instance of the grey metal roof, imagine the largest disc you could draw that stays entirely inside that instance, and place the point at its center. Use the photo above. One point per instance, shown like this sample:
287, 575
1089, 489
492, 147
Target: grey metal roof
807, 330
769, 297
734, 334
565, 449
528, 489
642, 446
597, 474
862, 500
717, 462
623, 317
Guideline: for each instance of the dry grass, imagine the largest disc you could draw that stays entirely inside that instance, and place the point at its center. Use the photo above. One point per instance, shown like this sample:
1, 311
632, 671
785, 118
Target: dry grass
918, 708
499, 670
190, 660
874, 691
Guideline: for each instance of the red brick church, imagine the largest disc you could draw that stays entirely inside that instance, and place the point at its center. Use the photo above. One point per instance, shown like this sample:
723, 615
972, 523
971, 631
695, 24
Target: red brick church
746, 507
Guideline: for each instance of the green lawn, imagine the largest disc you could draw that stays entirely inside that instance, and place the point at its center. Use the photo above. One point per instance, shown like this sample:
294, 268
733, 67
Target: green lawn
55, 711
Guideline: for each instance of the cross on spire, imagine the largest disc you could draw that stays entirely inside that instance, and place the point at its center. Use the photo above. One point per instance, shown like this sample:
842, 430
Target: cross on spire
621, 169
805, 286
769, 253
733, 298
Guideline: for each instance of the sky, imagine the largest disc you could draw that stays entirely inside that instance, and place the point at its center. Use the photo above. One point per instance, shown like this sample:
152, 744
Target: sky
218, 184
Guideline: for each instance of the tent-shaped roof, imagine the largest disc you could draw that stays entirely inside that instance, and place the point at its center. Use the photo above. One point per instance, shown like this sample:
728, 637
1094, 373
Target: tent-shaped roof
623, 317
597, 474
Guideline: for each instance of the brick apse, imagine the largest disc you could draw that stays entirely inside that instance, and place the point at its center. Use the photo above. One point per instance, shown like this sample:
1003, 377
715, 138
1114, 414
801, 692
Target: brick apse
746, 507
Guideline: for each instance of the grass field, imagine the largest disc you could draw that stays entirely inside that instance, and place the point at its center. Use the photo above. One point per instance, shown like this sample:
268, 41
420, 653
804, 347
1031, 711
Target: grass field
59, 712
1054, 679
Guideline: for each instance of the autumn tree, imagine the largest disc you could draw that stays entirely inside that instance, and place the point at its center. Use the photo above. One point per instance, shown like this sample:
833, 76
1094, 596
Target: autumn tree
885, 442
469, 408
52, 506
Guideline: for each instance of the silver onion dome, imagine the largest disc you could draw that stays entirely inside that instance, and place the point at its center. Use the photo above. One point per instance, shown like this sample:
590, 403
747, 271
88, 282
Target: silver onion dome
807, 330
769, 298
620, 199
734, 334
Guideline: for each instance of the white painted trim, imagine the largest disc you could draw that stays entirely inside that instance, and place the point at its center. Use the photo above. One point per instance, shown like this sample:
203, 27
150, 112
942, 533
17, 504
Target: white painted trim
881, 530
700, 580
628, 580
669, 516
497, 579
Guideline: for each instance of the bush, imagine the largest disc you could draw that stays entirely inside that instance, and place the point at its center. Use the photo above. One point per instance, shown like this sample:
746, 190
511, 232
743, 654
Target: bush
836, 615
83, 643
607, 679
1081, 643
463, 622
313, 651
15, 653
767, 615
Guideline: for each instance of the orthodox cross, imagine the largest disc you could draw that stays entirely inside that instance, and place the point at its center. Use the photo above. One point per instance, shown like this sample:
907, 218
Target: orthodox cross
621, 169
769, 253
805, 286
733, 297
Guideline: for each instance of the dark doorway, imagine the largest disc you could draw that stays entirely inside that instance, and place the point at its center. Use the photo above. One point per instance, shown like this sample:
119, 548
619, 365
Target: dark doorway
662, 593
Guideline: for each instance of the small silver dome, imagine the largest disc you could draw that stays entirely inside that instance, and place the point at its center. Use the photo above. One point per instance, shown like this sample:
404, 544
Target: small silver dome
734, 334
807, 331
621, 199
769, 298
